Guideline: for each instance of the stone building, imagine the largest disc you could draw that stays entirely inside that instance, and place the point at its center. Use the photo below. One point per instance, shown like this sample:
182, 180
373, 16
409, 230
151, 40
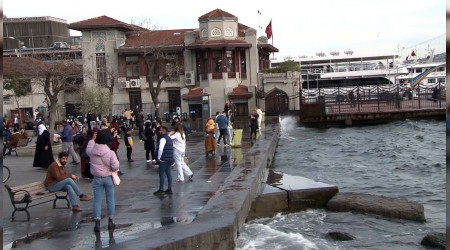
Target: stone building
221, 57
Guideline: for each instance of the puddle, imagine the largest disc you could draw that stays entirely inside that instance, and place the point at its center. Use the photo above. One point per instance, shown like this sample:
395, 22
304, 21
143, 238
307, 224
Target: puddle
139, 210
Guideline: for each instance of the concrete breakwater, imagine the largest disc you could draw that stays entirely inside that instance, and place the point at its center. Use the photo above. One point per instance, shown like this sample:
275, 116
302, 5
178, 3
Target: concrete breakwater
217, 225
287, 193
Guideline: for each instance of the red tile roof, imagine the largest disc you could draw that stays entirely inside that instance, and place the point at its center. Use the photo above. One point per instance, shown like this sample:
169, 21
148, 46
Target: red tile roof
240, 92
156, 38
194, 94
103, 22
23, 66
216, 13
219, 44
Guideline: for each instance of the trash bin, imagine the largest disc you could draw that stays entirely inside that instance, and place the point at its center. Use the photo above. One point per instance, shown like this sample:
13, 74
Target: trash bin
237, 138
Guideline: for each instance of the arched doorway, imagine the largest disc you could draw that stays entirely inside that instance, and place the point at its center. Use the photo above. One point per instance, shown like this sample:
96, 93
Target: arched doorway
277, 102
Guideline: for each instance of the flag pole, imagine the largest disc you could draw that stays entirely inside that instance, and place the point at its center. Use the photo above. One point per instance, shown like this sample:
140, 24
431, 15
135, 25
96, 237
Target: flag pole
273, 53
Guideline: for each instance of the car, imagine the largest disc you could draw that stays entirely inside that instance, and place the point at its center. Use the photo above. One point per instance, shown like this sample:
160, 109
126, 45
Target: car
60, 45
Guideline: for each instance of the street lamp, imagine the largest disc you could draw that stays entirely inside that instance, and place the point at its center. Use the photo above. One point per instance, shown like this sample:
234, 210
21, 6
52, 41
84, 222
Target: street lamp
19, 43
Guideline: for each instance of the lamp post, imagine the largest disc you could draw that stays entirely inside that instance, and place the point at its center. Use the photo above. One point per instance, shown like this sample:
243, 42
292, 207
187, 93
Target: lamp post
19, 43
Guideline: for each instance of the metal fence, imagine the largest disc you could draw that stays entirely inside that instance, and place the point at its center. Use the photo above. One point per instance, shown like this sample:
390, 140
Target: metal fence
375, 98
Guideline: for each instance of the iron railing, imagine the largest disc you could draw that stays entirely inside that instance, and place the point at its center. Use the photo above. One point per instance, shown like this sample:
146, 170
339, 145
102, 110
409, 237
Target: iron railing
375, 98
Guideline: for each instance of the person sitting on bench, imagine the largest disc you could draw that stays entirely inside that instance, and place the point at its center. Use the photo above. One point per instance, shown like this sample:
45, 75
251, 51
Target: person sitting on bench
14, 140
58, 179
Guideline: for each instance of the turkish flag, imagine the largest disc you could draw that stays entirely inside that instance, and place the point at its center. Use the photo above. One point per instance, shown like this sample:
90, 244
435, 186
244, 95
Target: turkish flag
269, 30
413, 53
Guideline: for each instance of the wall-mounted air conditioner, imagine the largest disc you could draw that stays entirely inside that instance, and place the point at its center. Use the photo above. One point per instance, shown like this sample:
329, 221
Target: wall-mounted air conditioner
135, 83
124, 84
189, 78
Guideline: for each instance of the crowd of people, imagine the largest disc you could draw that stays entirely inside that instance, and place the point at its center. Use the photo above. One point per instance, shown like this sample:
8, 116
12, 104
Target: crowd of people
95, 148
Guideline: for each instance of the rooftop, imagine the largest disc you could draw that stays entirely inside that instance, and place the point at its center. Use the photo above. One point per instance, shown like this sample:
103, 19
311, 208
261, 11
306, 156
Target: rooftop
217, 13
102, 22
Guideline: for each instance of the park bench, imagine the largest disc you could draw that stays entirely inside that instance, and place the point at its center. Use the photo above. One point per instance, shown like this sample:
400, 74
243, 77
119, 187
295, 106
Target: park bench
21, 143
22, 196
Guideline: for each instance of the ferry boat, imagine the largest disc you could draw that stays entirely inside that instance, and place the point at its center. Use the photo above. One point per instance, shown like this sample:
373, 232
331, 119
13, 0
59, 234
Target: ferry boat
350, 71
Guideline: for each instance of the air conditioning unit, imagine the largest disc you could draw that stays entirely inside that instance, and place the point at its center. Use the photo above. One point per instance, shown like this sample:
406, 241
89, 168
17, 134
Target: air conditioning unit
189, 78
135, 83
124, 84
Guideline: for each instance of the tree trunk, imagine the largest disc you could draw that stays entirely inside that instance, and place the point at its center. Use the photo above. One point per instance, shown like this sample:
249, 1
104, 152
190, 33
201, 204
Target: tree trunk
52, 116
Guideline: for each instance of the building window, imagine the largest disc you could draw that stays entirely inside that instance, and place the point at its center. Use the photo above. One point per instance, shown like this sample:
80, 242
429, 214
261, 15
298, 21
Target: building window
132, 66
216, 32
419, 70
228, 32
204, 33
441, 80
230, 64
217, 61
101, 67
100, 46
432, 80
441, 69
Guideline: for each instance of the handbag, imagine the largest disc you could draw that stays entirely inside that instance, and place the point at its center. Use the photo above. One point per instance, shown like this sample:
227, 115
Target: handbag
115, 178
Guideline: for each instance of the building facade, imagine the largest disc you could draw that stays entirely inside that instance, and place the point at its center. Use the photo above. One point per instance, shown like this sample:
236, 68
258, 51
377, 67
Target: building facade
34, 32
221, 57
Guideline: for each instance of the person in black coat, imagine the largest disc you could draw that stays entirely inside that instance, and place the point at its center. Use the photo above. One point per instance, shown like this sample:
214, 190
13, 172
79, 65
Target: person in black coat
43, 155
149, 142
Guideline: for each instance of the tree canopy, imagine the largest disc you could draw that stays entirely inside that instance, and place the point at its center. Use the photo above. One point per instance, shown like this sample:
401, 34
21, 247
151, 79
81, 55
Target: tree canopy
284, 67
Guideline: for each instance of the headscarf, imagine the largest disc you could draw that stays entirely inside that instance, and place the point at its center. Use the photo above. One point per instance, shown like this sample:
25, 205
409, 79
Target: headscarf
41, 129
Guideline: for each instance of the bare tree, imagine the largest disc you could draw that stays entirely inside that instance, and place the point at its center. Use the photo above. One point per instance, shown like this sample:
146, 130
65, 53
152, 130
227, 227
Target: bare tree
19, 86
154, 55
52, 76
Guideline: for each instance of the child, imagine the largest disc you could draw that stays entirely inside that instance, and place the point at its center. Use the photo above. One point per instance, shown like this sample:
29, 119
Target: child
129, 144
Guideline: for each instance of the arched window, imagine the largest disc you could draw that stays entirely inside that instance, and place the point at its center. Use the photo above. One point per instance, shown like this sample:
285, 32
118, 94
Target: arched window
100, 46
228, 31
204, 33
216, 32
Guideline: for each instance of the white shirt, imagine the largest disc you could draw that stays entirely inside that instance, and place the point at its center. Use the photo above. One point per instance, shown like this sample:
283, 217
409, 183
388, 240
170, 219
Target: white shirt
162, 143
178, 142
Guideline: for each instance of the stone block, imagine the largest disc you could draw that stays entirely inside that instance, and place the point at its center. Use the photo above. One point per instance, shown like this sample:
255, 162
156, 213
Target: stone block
374, 204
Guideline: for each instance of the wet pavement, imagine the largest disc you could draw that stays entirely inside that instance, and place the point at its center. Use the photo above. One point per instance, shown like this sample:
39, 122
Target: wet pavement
138, 211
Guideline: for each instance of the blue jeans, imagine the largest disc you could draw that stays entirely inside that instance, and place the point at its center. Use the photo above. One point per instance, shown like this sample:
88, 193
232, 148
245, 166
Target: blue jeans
164, 167
100, 184
70, 186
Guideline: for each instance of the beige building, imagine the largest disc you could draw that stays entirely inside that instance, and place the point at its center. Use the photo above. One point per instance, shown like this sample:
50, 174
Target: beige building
221, 57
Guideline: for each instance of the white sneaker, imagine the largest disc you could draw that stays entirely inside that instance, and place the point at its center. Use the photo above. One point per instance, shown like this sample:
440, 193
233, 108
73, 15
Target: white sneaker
154, 161
149, 160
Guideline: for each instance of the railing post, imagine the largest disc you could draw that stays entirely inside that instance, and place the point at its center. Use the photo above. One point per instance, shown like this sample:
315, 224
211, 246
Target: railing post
358, 97
378, 96
398, 96
439, 96
418, 93
339, 99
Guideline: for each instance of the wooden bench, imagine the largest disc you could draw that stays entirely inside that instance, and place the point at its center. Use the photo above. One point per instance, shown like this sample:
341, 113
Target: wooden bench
21, 143
22, 196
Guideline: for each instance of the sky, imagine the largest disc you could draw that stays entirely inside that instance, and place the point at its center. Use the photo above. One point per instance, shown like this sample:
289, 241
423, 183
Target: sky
300, 28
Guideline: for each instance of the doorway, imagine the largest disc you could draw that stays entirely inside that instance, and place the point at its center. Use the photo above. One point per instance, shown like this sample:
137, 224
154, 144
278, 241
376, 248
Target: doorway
135, 99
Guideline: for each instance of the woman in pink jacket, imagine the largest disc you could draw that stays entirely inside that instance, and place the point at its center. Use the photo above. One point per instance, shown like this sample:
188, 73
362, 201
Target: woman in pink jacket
103, 162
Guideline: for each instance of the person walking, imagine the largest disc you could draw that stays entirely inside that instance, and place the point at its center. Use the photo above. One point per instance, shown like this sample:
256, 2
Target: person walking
103, 162
259, 112
179, 144
127, 116
222, 121
67, 136
58, 179
253, 123
149, 142
43, 155
85, 159
129, 144
210, 140
140, 125
230, 126
165, 160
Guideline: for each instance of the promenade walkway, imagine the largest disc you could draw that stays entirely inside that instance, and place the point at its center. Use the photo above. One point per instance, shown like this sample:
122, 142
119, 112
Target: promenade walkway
138, 211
